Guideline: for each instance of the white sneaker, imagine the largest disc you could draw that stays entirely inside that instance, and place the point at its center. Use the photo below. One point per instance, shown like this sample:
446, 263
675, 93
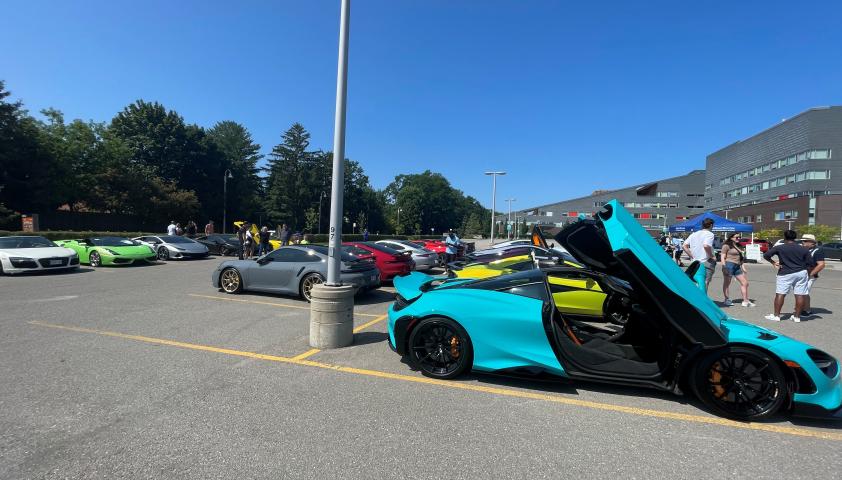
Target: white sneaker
747, 304
772, 317
795, 319
727, 302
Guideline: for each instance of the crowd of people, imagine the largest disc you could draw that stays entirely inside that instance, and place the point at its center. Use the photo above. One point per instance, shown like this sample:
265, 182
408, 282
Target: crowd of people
798, 262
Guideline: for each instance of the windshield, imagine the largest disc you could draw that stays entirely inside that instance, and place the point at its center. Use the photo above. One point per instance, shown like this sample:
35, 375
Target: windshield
323, 250
25, 242
382, 248
112, 242
355, 251
174, 239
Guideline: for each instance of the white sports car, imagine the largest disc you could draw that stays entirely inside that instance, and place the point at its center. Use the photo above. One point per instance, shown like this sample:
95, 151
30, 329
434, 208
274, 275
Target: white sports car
21, 254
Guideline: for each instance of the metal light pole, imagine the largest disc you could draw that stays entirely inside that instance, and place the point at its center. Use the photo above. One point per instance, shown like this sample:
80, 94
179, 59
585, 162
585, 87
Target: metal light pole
338, 185
510, 200
493, 199
225, 178
398, 226
320, 211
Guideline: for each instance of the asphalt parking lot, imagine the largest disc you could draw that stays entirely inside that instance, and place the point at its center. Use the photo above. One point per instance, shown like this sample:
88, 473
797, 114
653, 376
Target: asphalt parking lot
145, 372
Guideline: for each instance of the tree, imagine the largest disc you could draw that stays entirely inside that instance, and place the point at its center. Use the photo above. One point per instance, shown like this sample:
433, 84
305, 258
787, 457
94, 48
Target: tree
770, 234
823, 233
240, 154
293, 170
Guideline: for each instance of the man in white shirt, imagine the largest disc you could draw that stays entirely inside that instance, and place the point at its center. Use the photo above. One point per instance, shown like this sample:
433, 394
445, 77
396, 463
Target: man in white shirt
699, 246
171, 228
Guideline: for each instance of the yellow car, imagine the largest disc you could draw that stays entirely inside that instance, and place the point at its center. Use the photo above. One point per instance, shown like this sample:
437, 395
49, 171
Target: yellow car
255, 233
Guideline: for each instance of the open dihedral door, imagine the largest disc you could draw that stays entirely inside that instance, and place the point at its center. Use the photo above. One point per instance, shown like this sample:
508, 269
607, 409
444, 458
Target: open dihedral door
538, 237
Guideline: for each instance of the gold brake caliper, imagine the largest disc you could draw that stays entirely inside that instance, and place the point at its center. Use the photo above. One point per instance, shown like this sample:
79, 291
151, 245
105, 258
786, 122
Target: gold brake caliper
454, 347
716, 379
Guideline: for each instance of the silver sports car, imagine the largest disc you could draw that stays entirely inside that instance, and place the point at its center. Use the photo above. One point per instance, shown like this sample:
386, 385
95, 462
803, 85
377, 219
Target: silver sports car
292, 270
173, 246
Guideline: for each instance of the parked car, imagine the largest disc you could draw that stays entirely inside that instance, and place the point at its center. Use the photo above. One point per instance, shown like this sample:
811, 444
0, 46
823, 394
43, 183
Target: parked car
424, 259
437, 246
833, 250
764, 245
100, 251
219, 244
674, 336
390, 262
27, 253
174, 247
292, 270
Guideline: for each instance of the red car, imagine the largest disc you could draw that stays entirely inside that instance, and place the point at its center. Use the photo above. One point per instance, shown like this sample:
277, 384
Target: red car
390, 262
764, 245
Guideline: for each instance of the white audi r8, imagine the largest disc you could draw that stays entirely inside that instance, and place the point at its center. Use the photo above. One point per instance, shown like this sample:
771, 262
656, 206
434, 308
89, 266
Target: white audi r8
21, 254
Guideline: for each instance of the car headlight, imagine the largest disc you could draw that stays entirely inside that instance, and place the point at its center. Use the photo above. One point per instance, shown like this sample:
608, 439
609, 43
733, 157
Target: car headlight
110, 252
179, 248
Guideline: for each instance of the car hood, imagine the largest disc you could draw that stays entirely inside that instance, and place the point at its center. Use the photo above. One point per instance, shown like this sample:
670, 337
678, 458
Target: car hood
613, 242
44, 252
129, 249
189, 247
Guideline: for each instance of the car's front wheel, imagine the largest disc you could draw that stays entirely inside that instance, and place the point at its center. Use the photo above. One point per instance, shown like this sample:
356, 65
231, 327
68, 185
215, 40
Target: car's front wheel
741, 383
440, 348
163, 253
95, 259
231, 281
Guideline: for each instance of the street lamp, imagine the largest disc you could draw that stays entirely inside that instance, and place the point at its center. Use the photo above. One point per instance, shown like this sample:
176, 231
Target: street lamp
510, 200
225, 178
323, 195
493, 199
398, 226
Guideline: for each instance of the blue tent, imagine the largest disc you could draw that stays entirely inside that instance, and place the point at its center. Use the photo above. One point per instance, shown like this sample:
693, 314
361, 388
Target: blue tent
720, 224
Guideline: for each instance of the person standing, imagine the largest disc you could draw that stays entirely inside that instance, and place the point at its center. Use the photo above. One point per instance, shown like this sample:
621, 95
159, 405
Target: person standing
451, 246
209, 228
817, 253
677, 243
264, 246
171, 228
178, 230
699, 246
241, 236
733, 266
284, 235
249, 245
365, 235
191, 229
793, 264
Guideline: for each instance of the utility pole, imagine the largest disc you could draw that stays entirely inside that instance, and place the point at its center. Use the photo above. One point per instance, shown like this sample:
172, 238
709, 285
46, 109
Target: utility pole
493, 199
225, 178
510, 200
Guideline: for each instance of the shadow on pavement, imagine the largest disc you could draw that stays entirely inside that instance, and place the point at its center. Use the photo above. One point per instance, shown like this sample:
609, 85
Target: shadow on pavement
373, 297
367, 338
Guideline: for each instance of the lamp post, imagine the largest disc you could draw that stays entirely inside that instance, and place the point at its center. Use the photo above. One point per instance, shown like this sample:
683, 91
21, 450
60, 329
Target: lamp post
225, 178
510, 200
323, 195
331, 303
493, 199
398, 225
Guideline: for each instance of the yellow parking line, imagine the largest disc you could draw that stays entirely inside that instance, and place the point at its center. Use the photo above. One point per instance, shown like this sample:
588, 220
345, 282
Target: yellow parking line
306, 354
258, 302
366, 325
546, 397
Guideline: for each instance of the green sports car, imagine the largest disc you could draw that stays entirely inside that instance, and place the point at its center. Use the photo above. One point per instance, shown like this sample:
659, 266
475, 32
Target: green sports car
99, 251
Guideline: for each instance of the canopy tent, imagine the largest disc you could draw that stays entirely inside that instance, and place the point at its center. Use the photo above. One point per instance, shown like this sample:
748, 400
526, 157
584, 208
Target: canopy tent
720, 224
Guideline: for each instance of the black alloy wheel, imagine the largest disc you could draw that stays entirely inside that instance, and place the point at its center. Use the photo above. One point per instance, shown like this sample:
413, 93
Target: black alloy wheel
231, 281
741, 383
308, 282
95, 259
440, 348
163, 253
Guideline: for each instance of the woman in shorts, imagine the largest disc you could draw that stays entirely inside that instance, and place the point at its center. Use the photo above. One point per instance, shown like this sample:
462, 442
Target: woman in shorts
733, 266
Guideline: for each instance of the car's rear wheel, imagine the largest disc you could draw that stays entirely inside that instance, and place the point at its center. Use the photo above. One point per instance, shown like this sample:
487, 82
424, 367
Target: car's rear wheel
95, 259
440, 348
741, 383
308, 282
231, 281
163, 253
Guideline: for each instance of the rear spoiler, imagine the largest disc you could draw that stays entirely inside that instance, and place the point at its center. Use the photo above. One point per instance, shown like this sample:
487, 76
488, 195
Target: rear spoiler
413, 285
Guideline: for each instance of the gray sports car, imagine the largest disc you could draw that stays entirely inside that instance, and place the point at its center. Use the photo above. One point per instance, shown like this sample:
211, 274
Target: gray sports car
173, 246
292, 270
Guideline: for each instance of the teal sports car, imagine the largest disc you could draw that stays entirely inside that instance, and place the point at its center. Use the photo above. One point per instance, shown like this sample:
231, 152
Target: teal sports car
674, 337
99, 251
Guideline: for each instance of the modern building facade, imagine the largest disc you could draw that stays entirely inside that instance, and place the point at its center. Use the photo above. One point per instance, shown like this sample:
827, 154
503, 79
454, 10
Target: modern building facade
655, 204
789, 174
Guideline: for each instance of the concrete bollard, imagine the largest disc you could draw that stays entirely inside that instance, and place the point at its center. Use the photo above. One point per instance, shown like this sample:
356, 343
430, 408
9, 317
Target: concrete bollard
331, 316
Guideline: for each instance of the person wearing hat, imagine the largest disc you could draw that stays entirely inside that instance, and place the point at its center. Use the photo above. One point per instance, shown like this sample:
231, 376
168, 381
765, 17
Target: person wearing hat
809, 242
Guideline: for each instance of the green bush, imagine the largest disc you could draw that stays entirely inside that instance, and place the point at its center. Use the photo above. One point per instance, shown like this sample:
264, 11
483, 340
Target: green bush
66, 235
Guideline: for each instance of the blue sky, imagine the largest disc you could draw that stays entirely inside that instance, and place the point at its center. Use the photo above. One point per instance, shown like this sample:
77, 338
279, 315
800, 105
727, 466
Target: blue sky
568, 97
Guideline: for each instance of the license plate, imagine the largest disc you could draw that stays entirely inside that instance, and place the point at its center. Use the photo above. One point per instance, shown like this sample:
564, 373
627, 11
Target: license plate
55, 262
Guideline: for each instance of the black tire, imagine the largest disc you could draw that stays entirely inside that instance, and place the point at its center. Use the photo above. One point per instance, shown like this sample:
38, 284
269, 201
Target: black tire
741, 383
223, 251
1, 269
440, 348
95, 259
307, 284
230, 281
163, 254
